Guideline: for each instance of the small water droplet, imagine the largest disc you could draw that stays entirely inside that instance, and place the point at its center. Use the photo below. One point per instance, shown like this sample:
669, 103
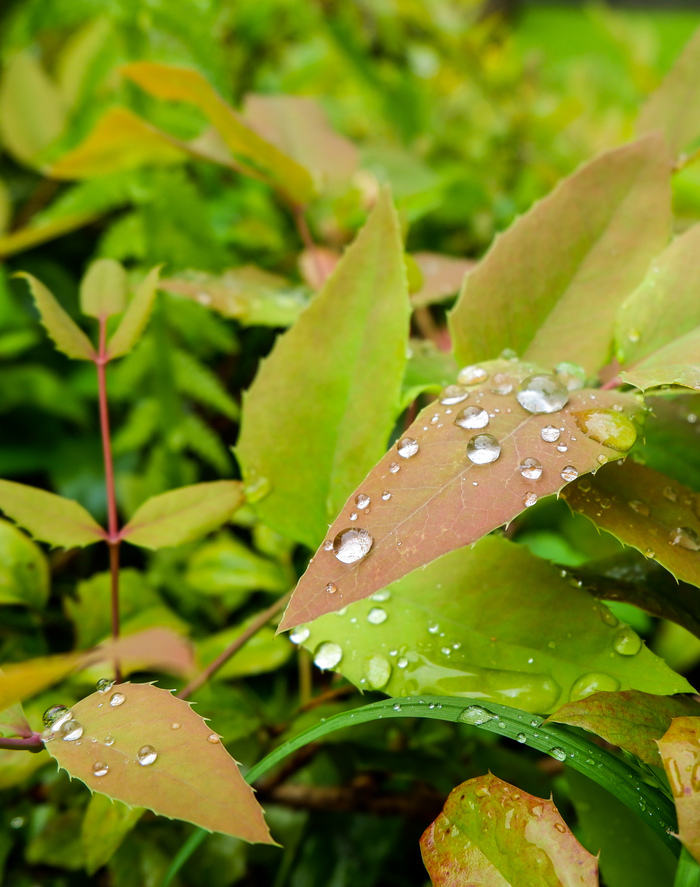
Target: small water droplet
147, 755
560, 827
640, 507
435, 419
670, 494
394, 467
521, 737
175, 725
377, 671
472, 375
529, 500
396, 706
299, 634
331, 588
362, 500
531, 468
382, 595
351, 545
453, 394
584, 485
99, 768
71, 730
558, 753
376, 616
650, 552
542, 393
402, 662
614, 430
386, 495
501, 383
117, 699
407, 447
685, 537
57, 715
213, 738
104, 685
476, 715
608, 617
562, 447
328, 545
483, 448
328, 655
472, 417
47, 735
353, 515
569, 473
627, 642
109, 739
550, 434
633, 335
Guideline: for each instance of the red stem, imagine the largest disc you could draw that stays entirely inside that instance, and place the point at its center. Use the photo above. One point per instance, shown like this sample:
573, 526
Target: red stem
30, 743
309, 244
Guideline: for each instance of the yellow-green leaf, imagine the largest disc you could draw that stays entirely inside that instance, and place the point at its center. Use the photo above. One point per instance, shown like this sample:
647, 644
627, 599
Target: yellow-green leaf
48, 517
103, 289
680, 752
105, 825
24, 572
135, 317
66, 334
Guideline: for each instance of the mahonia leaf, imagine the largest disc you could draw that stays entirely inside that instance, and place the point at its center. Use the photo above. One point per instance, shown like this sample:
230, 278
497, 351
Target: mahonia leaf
645, 510
492, 622
206, 443
201, 384
550, 286
24, 571
135, 317
494, 834
103, 289
444, 485
680, 751
183, 515
141, 745
630, 719
65, 333
442, 276
48, 517
105, 825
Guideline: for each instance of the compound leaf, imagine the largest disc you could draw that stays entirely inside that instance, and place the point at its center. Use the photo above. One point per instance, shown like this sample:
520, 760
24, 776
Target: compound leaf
24, 572
65, 333
135, 317
48, 517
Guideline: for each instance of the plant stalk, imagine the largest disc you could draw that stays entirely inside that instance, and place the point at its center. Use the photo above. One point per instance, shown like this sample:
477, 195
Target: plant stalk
33, 743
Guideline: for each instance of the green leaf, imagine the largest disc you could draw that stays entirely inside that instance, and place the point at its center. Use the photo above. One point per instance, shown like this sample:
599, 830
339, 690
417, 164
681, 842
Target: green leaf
678, 363
226, 566
58, 842
673, 107
172, 83
491, 621
629, 855
24, 572
264, 652
195, 379
105, 825
321, 408
630, 719
183, 515
688, 871
135, 317
192, 776
672, 439
48, 517
65, 333
645, 510
680, 752
427, 369
492, 833
549, 288
435, 499
103, 289
31, 109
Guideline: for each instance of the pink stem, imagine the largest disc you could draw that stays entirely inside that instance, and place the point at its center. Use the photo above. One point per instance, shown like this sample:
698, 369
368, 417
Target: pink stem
30, 743
611, 383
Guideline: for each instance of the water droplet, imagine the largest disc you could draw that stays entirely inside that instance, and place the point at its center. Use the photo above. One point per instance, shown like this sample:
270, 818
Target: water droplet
529, 500
483, 448
362, 501
104, 685
109, 739
213, 738
351, 545
394, 467
550, 434
376, 616
407, 447
175, 725
396, 706
472, 417
382, 595
47, 735
147, 755
476, 715
386, 495
57, 715
560, 827
453, 394
299, 634
472, 375
377, 671
627, 642
569, 473
605, 503
542, 393
433, 627
640, 507
670, 494
633, 335
594, 682
328, 655
558, 753
521, 737
614, 430
331, 588
117, 699
685, 537
402, 662
353, 515
562, 447
608, 617
99, 768
650, 552
71, 730
501, 383
531, 468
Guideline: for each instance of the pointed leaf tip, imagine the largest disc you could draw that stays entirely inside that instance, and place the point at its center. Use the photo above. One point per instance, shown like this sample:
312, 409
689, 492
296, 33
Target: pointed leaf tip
62, 329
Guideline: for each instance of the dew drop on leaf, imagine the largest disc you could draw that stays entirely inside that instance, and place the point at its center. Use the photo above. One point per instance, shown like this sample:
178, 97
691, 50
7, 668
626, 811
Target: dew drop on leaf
529, 499
476, 715
483, 448
328, 545
627, 642
71, 730
614, 430
472, 417
531, 468
594, 682
571, 374
351, 545
569, 473
608, 617
542, 393
109, 739
47, 735
501, 383
453, 394
558, 753
382, 595
328, 655
147, 755
394, 467
175, 725
472, 375
117, 699
685, 537
353, 515
99, 768
386, 495
331, 588
213, 738
376, 616
57, 715
562, 447
299, 634
640, 507
670, 494
521, 737
407, 447
550, 434
396, 706
104, 685
377, 671
362, 501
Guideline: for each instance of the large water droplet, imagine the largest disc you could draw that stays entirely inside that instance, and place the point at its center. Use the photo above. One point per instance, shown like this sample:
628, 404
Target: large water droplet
569, 473
472, 417
501, 383
531, 468
614, 430
472, 375
57, 715
558, 753
377, 671
685, 537
550, 434
71, 730
407, 447
117, 699
351, 545
453, 394
529, 499
99, 768
542, 393
104, 685
147, 755
521, 737
483, 448
299, 634
376, 616
594, 682
476, 715
627, 642
328, 655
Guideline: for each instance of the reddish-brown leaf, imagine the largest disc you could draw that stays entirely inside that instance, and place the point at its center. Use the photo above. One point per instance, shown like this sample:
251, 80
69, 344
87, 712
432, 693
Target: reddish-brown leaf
442, 277
492, 834
680, 751
437, 500
191, 777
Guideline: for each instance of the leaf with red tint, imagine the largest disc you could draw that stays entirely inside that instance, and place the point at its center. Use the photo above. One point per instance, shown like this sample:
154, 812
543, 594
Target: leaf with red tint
442, 277
493, 834
631, 719
646, 510
680, 751
427, 496
141, 745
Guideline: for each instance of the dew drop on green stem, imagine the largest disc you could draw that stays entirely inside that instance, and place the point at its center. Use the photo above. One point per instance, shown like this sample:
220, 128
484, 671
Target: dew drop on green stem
99, 768
550, 434
531, 468
147, 755
542, 393
685, 537
117, 699
328, 655
376, 616
627, 642
472, 375
476, 715
352, 544
483, 448
453, 394
407, 447
472, 417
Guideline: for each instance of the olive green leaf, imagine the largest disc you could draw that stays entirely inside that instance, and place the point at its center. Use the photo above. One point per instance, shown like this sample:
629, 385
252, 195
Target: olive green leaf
65, 333
103, 289
135, 317
24, 571
48, 517
680, 752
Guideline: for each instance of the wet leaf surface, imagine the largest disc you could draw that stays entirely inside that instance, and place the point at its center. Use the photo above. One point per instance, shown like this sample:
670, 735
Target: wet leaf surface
491, 622
493, 834
646, 510
563, 308
129, 750
630, 719
48, 517
434, 498
680, 751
